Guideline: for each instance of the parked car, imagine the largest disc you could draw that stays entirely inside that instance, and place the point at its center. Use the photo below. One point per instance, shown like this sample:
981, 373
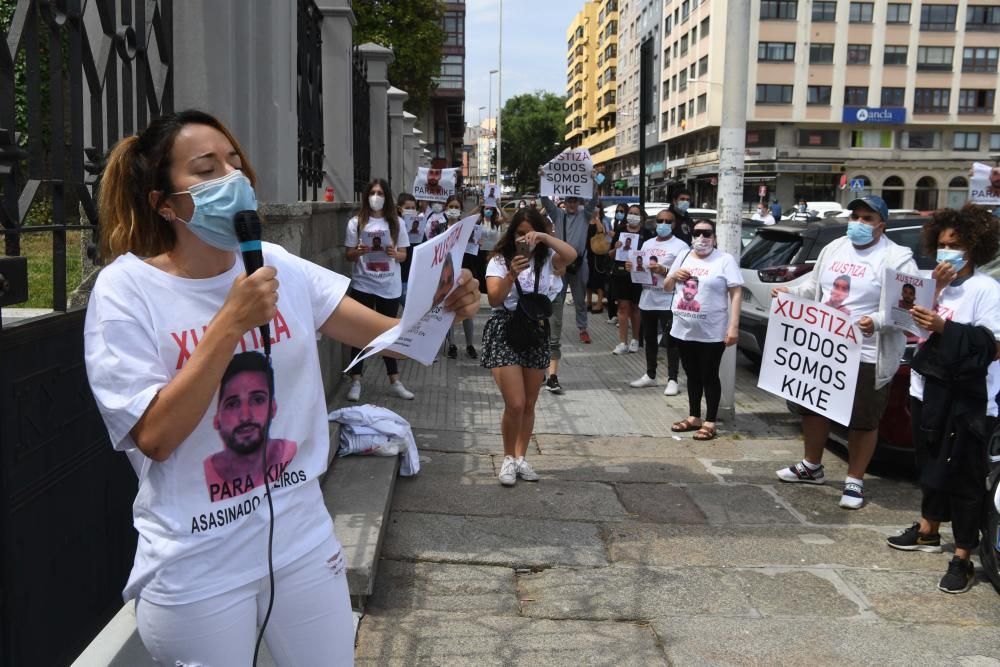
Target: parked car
816, 209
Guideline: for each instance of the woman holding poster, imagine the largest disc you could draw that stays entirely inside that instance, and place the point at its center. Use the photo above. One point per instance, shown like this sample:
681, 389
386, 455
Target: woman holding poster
453, 213
492, 224
706, 321
630, 236
413, 222
531, 258
954, 411
377, 285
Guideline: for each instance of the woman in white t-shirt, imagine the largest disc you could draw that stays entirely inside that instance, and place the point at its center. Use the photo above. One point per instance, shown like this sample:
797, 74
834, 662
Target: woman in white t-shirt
531, 257
707, 295
173, 356
413, 223
953, 465
493, 226
453, 213
377, 244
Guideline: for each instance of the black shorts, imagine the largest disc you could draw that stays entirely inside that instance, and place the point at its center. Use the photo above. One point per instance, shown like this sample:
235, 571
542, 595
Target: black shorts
624, 289
869, 402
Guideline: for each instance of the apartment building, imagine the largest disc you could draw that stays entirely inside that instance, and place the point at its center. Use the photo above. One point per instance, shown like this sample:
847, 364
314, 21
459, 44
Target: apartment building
640, 22
899, 97
591, 75
444, 121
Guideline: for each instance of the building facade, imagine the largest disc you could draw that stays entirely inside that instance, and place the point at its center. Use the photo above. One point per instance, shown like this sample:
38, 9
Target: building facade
486, 145
591, 80
444, 122
897, 98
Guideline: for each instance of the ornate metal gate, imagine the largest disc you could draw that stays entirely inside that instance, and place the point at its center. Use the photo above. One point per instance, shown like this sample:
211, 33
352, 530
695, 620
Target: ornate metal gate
75, 77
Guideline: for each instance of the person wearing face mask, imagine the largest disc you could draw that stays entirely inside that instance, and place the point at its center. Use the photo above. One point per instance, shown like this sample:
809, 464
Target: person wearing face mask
174, 359
863, 255
412, 221
763, 213
655, 304
492, 224
626, 292
377, 285
683, 224
621, 210
597, 266
453, 213
801, 212
706, 321
954, 408
435, 221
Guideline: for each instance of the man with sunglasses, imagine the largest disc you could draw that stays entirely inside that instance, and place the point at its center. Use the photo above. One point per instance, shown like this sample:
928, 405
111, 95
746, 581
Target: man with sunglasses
863, 255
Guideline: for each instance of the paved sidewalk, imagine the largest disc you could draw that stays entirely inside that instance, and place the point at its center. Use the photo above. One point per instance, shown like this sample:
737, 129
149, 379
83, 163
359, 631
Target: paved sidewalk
641, 548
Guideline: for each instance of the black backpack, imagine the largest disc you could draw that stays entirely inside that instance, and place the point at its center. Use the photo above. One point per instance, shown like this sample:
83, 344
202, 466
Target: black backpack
529, 325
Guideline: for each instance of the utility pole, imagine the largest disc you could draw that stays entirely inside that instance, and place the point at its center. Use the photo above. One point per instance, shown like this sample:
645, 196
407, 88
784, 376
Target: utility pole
645, 85
500, 102
732, 149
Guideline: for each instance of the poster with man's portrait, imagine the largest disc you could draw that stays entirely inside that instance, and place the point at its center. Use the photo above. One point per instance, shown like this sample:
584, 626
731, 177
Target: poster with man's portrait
435, 184
984, 185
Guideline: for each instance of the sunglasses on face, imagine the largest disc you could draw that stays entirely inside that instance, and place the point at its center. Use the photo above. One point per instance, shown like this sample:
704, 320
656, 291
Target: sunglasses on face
704, 233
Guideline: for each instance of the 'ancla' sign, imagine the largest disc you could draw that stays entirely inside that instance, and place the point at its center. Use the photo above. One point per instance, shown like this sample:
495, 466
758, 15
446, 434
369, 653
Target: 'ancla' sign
811, 357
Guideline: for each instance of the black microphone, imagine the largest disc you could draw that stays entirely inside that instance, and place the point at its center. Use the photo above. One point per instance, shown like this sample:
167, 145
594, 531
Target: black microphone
247, 226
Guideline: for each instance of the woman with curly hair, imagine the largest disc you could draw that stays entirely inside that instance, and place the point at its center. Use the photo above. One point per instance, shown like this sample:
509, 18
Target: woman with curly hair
953, 387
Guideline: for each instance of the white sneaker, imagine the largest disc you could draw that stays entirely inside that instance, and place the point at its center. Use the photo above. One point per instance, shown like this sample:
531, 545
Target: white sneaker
508, 471
613, 319
644, 381
399, 390
671, 389
620, 348
524, 470
633, 346
853, 497
354, 393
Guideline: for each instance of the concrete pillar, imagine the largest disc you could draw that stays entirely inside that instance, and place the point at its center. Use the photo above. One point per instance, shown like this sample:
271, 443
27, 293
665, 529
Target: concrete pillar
409, 151
378, 59
236, 59
396, 149
338, 96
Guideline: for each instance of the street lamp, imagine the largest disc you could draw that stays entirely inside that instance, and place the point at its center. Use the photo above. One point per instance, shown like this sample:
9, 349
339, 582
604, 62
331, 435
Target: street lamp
479, 136
489, 157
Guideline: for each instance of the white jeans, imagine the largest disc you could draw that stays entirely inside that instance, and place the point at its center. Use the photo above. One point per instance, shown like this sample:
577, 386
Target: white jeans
310, 626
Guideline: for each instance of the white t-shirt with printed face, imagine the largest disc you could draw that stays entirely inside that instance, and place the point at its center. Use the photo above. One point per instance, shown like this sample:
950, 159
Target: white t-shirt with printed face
976, 300
653, 296
436, 223
852, 283
201, 514
376, 273
701, 307
549, 284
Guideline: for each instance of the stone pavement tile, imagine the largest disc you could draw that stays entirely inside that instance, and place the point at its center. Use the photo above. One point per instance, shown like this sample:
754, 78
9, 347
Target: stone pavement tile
511, 542
601, 447
484, 496
626, 593
622, 469
660, 503
451, 467
716, 642
740, 504
404, 586
799, 594
440, 639
739, 448
757, 546
913, 597
470, 442
887, 503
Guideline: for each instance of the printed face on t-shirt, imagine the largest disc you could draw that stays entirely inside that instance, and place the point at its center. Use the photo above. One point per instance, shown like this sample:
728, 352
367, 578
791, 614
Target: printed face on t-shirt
841, 290
243, 411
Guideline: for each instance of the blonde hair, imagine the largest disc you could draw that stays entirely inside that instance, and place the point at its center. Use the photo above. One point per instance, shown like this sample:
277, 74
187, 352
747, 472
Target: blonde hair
137, 166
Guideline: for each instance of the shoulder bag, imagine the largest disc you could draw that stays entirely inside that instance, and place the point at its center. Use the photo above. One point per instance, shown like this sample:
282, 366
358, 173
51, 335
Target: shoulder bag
529, 325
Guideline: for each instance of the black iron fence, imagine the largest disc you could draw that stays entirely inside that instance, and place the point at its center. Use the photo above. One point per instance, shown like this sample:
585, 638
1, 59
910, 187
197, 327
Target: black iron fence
361, 127
310, 100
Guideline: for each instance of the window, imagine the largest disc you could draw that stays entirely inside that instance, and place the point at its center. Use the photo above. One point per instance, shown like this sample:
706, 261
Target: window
920, 140
704, 27
966, 141
768, 93
820, 54
934, 58
893, 97
685, 10
776, 51
824, 11
818, 95
871, 139
861, 12
859, 54
938, 17
982, 17
702, 103
694, 35
666, 58
683, 83
994, 141
684, 45
452, 72
668, 25
819, 138
979, 59
931, 100
703, 66
976, 101
760, 138
897, 13
895, 55
690, 107
779, 9
856, 96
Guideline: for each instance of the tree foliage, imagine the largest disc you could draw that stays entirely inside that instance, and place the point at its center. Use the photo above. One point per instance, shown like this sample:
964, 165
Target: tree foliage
532, 128
413, 30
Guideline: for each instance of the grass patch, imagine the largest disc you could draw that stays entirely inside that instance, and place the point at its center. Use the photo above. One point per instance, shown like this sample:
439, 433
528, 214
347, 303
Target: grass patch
37, 247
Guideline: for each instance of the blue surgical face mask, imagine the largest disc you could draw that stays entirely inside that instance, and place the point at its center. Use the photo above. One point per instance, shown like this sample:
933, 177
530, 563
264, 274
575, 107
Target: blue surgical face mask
216, 203
954, 257
488, 213
663, 229
859, 233
619, 216
683, 206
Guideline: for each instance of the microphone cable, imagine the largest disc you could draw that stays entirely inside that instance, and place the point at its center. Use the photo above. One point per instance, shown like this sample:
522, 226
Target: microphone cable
270, 507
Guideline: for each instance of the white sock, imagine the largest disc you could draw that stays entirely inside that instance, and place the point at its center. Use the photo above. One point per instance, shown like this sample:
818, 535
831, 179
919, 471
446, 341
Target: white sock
812, 466
855, 480
519, 459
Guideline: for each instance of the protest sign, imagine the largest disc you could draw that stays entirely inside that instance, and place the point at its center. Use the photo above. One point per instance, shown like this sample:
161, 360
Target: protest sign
900, 293
657, 257
629, 243
434, 184
472, 248
434, 272
568, 175
984, 186
490, 195
376, 259
414, 229
811, 356
640, 267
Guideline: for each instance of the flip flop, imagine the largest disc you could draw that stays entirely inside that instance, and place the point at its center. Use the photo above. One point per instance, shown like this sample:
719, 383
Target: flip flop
705, 433
684, 426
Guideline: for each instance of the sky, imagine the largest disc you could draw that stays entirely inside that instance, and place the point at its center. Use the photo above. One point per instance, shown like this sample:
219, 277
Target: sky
534, 49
